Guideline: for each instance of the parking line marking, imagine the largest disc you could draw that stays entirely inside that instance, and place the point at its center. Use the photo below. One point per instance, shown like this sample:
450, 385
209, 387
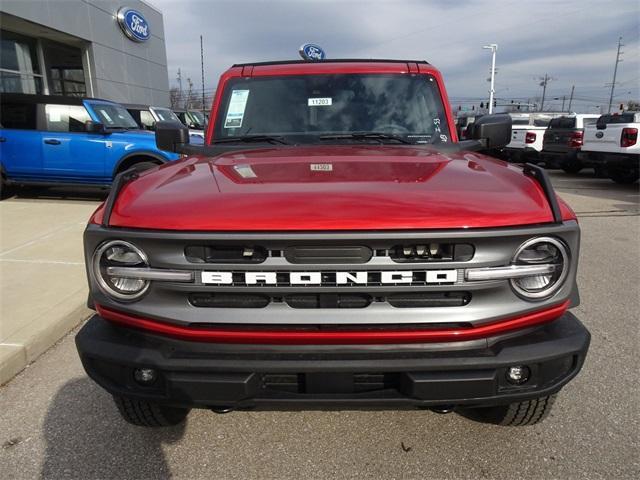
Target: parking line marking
36, 240
53, 262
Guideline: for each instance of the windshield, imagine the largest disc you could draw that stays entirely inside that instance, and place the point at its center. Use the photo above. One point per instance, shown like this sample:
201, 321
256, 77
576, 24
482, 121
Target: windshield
303, 109
114, 116
165, 115
562, 122
198, 118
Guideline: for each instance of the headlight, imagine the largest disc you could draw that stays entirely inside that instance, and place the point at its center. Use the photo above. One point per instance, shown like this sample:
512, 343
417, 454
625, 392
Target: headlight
541, 251
118, 253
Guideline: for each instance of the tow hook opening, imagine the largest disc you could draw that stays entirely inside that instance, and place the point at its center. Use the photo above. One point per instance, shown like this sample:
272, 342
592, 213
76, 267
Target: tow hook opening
442, 409
222, 410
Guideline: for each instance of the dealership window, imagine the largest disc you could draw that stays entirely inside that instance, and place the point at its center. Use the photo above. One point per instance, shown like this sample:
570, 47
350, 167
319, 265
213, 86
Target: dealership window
19, 69
64, 65
68, 81
66, 118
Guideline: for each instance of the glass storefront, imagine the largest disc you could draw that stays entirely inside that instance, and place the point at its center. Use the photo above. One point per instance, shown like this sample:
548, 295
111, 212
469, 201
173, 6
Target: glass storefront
19, 67
60, 72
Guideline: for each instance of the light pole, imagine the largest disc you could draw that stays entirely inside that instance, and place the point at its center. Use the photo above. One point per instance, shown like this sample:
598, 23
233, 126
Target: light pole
493, 47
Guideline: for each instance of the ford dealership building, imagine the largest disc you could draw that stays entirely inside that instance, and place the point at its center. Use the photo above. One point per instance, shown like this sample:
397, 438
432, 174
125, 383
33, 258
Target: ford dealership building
97, 48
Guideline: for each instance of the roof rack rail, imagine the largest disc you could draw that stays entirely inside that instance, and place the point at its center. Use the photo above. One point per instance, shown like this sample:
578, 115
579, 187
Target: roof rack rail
540, 175
329, 60
119, 182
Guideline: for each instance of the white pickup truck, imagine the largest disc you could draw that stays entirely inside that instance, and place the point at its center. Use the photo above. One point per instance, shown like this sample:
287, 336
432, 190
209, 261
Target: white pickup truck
612, 144
527, 134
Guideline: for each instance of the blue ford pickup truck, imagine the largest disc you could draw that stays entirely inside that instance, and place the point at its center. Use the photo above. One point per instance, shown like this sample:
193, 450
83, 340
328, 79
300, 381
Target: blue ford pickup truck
50, 140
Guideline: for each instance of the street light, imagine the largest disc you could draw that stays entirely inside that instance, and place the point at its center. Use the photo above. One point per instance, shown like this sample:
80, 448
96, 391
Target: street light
493, 47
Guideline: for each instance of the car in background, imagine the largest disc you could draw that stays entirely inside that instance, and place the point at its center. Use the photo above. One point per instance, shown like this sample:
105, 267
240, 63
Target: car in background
527, 132
194, 120
54, 140
147, 116
562, 141
612, 145
464, 125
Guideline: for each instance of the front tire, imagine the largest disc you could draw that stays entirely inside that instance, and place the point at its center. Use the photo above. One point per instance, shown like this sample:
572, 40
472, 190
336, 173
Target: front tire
572, 166
517, 414
6, 190
146, 414
142, 166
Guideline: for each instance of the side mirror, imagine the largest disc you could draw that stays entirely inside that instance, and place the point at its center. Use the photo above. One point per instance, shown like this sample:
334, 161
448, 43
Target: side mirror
95, 127
492, 131
171, 136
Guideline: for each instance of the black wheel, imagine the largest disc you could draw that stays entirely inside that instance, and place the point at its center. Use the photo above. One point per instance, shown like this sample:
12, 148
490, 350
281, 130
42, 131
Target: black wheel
624, 176
145, 414
600, 172
517, 414
142, 166
572, 166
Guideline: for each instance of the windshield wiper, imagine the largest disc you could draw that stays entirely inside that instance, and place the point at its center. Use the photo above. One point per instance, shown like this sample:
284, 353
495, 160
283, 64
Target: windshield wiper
253, 138
365, 136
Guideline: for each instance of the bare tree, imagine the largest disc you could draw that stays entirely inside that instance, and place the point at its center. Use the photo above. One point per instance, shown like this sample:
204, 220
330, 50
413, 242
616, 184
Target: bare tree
633, 105
174, 97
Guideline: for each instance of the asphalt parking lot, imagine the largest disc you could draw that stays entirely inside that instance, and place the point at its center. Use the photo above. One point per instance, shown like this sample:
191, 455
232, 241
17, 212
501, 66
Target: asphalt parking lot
55, 423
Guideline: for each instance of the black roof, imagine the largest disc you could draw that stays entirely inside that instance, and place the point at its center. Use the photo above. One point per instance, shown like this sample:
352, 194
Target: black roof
333, 60
135, 106
33, 98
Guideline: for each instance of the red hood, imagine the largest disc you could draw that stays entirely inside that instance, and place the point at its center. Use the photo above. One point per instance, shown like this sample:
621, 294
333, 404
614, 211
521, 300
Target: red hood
332, 188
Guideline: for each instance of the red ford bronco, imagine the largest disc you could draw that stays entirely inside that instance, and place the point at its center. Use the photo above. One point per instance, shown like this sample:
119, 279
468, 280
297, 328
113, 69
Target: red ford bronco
333, 245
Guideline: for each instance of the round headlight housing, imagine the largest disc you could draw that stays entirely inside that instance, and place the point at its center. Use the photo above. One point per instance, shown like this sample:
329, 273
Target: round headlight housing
541, 251
118, 253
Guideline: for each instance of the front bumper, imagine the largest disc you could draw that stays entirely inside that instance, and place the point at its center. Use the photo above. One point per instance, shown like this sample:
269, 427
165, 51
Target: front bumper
206, 375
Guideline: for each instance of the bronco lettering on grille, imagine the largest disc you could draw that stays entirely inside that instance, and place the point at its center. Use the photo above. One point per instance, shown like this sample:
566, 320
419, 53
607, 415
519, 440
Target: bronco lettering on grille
327, 278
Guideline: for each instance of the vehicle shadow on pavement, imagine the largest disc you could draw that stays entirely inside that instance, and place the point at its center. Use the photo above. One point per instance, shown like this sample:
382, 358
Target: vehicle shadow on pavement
86, 438
69, 194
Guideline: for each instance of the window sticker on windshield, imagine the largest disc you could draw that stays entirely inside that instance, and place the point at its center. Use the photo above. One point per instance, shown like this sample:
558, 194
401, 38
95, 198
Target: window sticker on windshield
319, 102
237, 105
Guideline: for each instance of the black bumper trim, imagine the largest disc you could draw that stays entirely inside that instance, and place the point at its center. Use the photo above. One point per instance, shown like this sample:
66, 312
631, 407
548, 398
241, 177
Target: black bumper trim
194, 374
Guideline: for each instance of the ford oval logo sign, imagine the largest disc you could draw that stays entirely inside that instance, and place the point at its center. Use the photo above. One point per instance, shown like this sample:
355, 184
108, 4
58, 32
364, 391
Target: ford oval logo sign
133, 24
312, 52
599, 135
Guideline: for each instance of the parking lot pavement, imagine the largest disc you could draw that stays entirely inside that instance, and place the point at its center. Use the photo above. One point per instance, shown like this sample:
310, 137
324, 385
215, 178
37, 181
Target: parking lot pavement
56, 423
42, 286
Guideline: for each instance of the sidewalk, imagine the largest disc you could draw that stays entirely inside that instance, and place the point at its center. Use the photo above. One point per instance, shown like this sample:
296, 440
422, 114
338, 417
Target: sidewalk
43, 288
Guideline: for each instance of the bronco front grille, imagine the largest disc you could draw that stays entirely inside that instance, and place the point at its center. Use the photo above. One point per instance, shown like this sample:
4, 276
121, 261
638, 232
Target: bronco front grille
329, 279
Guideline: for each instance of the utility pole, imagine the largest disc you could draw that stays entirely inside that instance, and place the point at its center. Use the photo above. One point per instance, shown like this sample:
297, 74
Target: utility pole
180, 97
615, 72
493, 47
202, 69
543, 84
573, 87
564, 97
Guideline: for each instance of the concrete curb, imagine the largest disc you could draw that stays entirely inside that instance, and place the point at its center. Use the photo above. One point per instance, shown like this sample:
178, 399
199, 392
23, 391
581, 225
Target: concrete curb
15, 357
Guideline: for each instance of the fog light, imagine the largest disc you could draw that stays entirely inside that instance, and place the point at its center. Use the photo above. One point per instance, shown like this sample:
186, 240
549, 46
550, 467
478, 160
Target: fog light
144, 376
518, 374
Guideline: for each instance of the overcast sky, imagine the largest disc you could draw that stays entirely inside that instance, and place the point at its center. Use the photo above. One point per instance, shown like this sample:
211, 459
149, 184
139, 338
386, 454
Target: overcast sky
574, 41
